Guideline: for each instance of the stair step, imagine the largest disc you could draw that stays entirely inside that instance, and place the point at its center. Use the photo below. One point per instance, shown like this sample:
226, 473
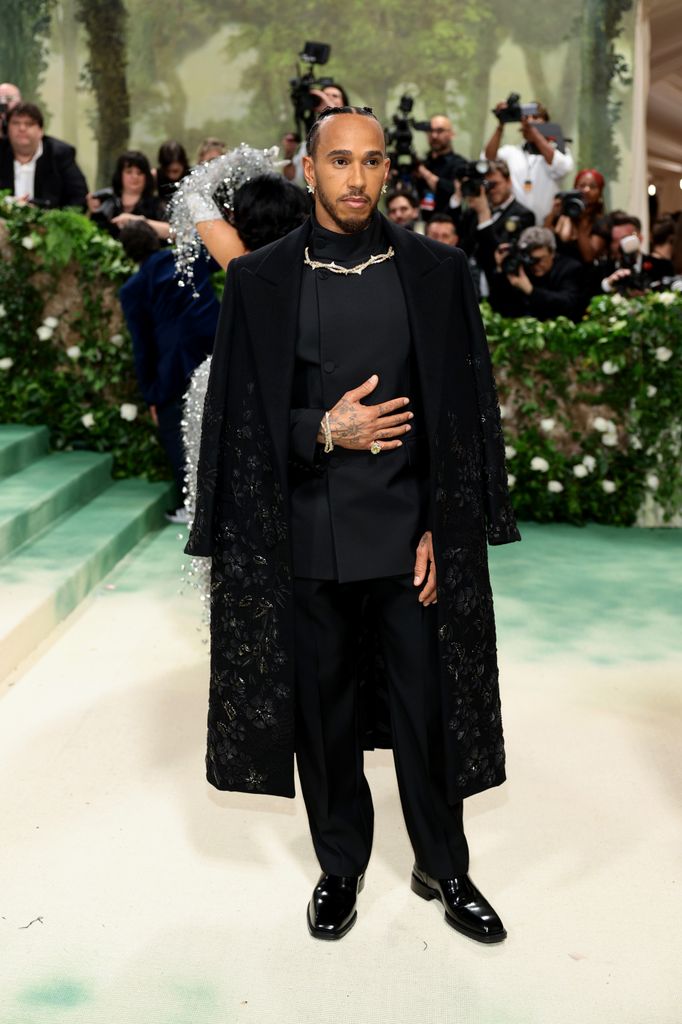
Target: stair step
20, 445
34, 497
44, 581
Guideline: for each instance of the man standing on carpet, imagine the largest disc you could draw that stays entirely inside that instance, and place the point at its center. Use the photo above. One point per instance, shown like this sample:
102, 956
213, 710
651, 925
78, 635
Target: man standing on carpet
350, 475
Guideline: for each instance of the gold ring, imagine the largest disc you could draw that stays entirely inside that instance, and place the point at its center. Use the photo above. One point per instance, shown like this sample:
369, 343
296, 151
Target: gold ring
375, 448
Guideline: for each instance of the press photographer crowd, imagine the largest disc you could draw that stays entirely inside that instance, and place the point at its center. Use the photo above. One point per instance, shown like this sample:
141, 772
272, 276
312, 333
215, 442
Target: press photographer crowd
535, 247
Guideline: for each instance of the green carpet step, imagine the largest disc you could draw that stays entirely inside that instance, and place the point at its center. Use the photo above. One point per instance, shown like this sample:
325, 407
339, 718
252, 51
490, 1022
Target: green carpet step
36, 496
44, 581
20, 445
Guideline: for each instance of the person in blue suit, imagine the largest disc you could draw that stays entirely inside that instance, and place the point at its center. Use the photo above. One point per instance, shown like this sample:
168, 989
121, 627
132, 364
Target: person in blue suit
172, 331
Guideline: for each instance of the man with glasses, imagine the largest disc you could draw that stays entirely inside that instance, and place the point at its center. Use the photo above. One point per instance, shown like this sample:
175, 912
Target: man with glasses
532, 279
436, 175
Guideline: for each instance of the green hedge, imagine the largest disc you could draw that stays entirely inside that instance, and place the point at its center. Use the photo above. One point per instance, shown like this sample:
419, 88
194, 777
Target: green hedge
591, 411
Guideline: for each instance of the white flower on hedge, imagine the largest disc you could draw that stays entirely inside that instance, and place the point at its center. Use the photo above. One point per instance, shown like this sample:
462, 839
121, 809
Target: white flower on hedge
665, 298
589, 462
652, 482
610, 439
44, 332
511, 480
603, 425
88, 420
28, 242
116, 339
580, 471
608, 486
503, 411
609, 367
3, 311
663, 354
618, 325
73, 352
651, 390
128, 411
548, 424
555, 486
6, 363
509, 452
539, 464
635, 443
616, 299
51, 322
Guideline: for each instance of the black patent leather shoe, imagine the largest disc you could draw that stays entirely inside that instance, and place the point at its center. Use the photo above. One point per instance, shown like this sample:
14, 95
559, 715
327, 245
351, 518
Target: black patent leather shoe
466, 909
332, 908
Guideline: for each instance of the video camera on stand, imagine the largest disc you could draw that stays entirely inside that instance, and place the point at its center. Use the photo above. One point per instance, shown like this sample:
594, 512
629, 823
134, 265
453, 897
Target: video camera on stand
400, 143
304, 103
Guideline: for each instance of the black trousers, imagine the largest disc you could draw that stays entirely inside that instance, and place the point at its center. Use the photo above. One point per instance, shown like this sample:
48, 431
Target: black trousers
328, 743
170, 436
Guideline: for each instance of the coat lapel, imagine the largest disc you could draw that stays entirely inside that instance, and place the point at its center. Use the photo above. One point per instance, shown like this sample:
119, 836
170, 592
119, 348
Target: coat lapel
425, 278
271, 299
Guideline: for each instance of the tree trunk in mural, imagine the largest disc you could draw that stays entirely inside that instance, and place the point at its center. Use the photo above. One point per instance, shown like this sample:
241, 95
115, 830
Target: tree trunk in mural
23, 43
597, 113
105, 27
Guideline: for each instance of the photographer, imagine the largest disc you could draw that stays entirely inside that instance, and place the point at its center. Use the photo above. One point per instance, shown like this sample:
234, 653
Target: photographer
442, 229
532, 279
331, 95
536, 166
10, 96
628, 270
492, 216
37, 168
578, 220
435, 176
403, 208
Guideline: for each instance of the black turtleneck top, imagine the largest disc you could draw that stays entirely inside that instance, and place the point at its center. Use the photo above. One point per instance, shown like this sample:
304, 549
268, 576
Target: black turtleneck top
354, 515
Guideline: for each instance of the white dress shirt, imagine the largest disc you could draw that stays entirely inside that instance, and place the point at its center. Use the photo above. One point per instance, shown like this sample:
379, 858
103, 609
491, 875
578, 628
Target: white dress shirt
544, 180
25, 174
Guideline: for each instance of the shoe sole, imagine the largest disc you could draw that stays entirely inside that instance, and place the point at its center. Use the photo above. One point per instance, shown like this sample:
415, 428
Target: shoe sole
331, 936
427, 893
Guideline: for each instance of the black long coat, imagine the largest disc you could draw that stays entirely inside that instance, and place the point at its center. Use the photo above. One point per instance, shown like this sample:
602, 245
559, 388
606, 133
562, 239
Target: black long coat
242, 502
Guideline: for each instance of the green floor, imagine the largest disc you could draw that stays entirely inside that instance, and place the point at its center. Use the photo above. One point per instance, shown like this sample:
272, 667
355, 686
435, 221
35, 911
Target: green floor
600, 592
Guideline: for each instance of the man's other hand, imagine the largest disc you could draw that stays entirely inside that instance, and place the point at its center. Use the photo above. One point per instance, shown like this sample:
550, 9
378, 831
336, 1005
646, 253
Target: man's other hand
425, 564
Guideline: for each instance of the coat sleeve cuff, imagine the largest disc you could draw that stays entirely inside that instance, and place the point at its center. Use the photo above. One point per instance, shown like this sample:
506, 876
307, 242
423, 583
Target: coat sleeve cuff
304, 425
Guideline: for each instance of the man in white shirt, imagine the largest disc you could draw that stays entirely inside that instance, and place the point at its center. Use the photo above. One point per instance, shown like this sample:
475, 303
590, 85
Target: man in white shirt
537, 167
37, 168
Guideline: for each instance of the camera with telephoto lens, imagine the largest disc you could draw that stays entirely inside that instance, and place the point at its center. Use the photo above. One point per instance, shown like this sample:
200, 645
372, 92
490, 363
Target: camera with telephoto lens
305, 105
572, 203
517, 256
515, 110
400, 141
472, 177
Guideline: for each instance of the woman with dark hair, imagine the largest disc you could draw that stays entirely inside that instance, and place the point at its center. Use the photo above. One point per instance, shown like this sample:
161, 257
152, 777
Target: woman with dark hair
172, 165
583, 236
131, 197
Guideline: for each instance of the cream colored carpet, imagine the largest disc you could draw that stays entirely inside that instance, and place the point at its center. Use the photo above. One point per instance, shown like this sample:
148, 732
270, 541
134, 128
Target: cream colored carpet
133, 893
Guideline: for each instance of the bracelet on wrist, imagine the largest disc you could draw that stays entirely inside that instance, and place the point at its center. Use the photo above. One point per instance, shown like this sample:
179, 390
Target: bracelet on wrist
326, 427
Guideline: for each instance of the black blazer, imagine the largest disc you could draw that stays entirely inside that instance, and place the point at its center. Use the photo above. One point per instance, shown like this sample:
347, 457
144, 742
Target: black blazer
59, 180
242, 515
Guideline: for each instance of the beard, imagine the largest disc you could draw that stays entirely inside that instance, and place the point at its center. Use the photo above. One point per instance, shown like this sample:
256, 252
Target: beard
349, 225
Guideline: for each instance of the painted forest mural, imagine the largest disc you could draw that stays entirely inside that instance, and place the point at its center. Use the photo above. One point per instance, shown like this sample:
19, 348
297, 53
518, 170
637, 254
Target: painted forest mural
112, 73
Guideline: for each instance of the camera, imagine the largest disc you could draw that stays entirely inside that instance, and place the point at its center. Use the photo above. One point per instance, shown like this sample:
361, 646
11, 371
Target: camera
400, 140
102, 193
516, 257
572, 203
472, 178
515, 110
305, 105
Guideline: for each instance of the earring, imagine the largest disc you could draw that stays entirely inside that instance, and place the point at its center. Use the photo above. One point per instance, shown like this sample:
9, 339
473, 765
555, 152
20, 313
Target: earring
384, 189
311, 188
